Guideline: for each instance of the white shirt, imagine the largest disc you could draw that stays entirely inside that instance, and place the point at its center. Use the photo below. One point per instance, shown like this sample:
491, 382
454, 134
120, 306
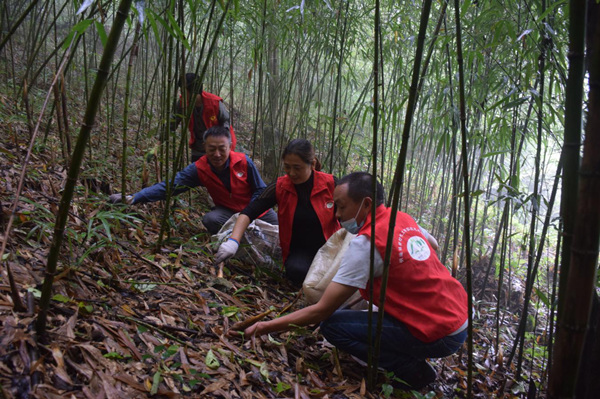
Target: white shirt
354, 269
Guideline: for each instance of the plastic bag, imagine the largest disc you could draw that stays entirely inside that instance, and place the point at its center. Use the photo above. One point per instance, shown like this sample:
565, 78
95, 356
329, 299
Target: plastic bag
260, 242
325, 265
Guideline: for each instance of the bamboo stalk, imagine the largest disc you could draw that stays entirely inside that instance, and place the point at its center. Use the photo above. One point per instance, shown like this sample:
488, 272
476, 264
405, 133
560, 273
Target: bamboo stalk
572, 138
573, 318
466, 197
78, 153
373, 353
398, 177
132, 55
17, 23
530, 280
18, 305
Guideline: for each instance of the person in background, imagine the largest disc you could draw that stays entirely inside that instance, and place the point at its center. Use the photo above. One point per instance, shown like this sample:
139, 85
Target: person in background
231, 179
306, 213
425, 307
208, 111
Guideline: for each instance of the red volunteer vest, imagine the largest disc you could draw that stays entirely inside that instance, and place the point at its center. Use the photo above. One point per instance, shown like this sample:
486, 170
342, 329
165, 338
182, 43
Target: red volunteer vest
321, 198
241, 192
421, 293
210, 116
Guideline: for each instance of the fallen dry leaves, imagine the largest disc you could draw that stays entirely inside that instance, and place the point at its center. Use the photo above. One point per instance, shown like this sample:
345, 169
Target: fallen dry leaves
129, 322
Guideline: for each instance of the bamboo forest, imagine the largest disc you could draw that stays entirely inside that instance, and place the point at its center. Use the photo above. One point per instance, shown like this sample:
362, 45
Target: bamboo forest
153, 245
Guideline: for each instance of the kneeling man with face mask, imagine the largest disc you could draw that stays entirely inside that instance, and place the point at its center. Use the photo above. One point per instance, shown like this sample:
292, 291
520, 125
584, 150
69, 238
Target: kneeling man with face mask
425, 307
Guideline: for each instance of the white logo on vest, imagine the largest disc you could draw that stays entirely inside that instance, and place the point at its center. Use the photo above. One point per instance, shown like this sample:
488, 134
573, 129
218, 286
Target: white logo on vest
418, 248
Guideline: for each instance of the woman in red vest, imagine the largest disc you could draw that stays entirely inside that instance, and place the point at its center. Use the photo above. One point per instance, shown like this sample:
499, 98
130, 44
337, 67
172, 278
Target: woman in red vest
425, 308
306, 211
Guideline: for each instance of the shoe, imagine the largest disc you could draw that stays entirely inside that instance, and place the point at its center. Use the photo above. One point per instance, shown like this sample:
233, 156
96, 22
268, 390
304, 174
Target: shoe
421, 375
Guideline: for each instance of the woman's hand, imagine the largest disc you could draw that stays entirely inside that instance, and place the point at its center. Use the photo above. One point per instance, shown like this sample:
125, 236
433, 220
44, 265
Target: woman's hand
227, 250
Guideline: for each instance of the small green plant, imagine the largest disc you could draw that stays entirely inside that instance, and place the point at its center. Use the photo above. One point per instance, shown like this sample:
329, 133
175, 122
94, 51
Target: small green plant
387, 390
282, 387
211, 360
230, 311
428, 395
166, 352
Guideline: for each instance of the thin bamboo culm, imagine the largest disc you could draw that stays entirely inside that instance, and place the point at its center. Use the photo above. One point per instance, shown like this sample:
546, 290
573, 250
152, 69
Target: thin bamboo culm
78, 153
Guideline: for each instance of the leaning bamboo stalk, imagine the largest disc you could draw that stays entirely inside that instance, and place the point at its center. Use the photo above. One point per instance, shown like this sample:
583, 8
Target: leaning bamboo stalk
436, 32
17, 23
190, 109
18, 305
466, 197
63, 103
78, 153
398, 175
530, 277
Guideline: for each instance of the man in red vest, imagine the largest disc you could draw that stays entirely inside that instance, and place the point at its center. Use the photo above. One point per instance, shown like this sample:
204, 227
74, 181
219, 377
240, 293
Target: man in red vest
208, 111
425, 307
231, 179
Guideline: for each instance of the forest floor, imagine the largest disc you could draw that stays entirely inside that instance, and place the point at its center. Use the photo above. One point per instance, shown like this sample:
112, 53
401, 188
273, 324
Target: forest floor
129, 321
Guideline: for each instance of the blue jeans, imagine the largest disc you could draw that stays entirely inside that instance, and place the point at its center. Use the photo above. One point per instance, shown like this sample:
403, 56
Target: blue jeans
400, 350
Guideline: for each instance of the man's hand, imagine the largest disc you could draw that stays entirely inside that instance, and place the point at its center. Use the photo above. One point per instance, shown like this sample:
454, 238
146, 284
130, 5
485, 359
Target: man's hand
116, 199
252, 330
226, 250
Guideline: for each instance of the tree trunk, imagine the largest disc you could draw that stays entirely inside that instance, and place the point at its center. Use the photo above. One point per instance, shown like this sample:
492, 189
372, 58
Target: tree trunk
588, 384
581, 281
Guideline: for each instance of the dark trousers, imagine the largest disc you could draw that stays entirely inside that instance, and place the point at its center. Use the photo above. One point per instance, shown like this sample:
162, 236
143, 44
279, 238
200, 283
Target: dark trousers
400, 350
214, 220
297, 265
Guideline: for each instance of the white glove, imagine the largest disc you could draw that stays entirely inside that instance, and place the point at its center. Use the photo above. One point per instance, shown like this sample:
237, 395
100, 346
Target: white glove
226, 250
116, 199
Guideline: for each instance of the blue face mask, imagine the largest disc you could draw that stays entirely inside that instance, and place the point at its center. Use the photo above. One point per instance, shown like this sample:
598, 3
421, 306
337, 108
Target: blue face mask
350, 225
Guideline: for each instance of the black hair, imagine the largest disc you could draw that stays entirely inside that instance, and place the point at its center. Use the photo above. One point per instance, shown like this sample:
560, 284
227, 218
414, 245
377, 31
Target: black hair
360, 185
303, 149
192, 83
217, 131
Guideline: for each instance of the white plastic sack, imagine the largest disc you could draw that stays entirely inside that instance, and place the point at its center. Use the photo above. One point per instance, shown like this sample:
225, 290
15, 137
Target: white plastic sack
260, 242
325, 265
